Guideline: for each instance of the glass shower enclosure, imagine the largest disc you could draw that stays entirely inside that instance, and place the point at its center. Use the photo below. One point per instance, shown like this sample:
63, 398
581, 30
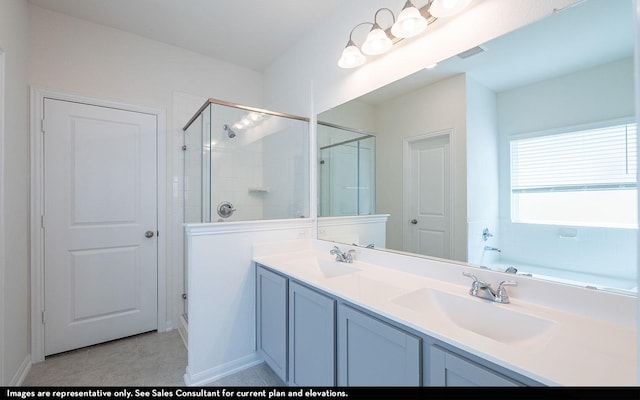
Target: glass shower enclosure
346, 172
244, 164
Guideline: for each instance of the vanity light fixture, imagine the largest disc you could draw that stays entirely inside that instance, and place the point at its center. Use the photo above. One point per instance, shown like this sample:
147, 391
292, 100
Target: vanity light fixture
377, 41
410, 22
447, 8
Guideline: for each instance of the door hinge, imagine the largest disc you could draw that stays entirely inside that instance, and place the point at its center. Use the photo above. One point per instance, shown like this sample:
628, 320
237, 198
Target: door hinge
43, 318
42, 125
42, 221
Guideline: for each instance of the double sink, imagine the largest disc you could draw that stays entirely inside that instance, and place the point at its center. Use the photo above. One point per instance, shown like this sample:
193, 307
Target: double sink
505, 323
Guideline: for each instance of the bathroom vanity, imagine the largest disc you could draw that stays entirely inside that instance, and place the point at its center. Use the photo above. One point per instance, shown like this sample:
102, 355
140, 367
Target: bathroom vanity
321, 322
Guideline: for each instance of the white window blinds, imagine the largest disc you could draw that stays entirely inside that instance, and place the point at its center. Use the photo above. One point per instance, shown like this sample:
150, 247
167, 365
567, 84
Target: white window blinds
594, 159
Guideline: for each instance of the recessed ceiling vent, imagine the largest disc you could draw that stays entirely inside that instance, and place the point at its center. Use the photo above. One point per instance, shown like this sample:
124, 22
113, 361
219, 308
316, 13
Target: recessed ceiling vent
472, 52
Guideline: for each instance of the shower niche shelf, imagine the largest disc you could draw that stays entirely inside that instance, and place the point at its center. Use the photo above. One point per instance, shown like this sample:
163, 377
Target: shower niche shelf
259, 189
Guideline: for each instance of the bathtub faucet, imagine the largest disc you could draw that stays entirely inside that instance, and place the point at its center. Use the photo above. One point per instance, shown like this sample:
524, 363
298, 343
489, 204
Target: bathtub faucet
489, 248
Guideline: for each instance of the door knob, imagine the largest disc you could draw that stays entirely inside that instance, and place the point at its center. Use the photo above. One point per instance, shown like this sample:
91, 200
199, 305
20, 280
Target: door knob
148, 234
414, 221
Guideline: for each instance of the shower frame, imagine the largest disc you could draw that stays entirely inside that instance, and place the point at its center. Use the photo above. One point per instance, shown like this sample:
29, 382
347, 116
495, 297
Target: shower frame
206, 185
209, 102
364, 136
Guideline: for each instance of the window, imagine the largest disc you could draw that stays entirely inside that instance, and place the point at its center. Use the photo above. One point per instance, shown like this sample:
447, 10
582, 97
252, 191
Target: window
585, 177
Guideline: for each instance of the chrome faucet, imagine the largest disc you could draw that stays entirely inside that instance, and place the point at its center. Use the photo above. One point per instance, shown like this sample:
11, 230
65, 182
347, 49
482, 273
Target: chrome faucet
489, 248
484, 291
342, 256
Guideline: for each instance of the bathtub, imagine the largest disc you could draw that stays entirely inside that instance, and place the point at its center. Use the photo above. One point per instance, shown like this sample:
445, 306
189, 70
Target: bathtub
620, 285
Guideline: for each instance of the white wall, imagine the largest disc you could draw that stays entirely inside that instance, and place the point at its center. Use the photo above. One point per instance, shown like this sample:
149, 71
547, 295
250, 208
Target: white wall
482, 172
596, 94
74, 56
14, 205
354, 114
222, 328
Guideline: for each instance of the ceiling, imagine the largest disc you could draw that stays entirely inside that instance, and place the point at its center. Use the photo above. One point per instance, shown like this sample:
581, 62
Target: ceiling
249, 33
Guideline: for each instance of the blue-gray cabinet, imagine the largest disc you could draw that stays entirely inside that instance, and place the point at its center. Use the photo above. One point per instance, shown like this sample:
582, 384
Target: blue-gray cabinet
450, 369
374, 353
312, 338
271, 319
312, 349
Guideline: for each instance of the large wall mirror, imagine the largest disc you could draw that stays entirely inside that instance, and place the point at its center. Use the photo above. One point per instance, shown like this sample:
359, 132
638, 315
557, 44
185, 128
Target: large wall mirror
518, 155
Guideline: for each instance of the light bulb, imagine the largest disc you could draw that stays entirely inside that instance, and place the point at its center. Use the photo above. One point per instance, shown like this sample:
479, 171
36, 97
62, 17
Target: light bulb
351, 57
409, 23
447, 8
377, 42
449, 4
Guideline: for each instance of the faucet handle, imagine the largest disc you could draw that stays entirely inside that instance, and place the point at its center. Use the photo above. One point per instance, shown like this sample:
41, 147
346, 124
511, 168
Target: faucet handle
476, 282
470, 275
507, 283
476, 285
501, 293
349, 255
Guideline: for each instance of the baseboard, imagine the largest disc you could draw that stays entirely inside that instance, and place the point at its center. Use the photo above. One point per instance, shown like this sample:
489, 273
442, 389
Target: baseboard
183, 328
22, 372
212, 374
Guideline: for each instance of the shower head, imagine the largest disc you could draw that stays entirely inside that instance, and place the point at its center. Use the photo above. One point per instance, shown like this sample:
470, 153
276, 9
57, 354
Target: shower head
229, 131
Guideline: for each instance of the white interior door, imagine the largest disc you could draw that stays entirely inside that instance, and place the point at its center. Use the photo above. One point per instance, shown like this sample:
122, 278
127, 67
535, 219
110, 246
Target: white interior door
100, 224
428, 229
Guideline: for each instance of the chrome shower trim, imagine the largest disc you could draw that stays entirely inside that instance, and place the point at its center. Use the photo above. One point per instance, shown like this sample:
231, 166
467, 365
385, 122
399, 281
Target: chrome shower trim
242, 107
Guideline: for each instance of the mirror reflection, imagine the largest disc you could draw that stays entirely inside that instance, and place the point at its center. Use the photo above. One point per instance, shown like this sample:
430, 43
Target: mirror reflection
346, 171
519, 155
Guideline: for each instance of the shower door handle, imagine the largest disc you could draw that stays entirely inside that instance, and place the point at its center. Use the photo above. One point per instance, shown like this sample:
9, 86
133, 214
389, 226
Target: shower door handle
148, 234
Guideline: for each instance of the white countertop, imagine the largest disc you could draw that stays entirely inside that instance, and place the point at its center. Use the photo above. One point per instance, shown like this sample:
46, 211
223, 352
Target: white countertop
576, 349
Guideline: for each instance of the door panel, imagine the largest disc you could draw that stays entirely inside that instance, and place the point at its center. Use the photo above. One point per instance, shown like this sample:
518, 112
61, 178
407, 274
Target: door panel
430, 198
100, 188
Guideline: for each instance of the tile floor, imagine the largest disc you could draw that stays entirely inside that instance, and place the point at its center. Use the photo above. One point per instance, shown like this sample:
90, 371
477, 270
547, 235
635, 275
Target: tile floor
149, 359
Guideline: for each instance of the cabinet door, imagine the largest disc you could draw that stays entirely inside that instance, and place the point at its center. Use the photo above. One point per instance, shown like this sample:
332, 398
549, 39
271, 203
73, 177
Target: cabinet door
271, 318
374, 353
449, 369
311, 337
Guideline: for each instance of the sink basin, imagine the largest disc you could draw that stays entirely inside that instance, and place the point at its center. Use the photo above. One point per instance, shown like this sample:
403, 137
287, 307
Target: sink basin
492, 320
324, 268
